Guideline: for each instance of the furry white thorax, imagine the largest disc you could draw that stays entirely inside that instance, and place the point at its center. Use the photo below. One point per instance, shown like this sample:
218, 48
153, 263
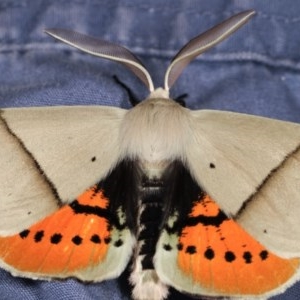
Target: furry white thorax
157, 129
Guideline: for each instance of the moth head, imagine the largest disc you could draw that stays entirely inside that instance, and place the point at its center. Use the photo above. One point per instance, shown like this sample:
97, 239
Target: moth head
192, 49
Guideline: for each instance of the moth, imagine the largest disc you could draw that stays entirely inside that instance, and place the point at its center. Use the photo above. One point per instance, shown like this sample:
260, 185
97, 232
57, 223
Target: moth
206, 202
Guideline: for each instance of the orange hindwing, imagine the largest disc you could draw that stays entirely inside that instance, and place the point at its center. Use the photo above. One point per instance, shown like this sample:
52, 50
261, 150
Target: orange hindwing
74, 237
220, 256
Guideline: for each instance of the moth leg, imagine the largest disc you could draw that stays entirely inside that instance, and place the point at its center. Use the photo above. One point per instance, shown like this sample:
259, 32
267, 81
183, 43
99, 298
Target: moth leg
132, 97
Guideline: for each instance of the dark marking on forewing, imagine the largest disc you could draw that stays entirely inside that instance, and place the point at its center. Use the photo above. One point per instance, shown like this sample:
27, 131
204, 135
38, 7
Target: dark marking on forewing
212, 165
34, 161
264, 182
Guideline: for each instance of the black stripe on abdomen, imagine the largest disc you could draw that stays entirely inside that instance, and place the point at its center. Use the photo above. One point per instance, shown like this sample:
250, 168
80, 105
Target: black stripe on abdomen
150, 220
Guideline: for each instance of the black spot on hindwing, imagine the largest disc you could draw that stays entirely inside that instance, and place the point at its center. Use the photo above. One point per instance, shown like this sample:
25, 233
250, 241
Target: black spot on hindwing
179, 246
247, 257
39, 236
77, 240
23, 234
107, 240
229, 256
209, 253
96, 239
167, 247
118, 243
264, 254
191, 249
56, 238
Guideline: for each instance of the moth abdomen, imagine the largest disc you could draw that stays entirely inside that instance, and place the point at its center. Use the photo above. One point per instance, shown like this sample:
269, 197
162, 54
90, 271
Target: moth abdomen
149, 223
150, 219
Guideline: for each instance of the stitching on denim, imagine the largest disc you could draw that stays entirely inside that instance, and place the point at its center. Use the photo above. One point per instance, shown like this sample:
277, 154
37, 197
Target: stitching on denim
12, 4
279, 18
210, 14
187, 10
242, 56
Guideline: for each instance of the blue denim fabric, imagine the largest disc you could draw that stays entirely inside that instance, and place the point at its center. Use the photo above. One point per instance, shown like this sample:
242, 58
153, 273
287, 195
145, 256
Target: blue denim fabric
256, 71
